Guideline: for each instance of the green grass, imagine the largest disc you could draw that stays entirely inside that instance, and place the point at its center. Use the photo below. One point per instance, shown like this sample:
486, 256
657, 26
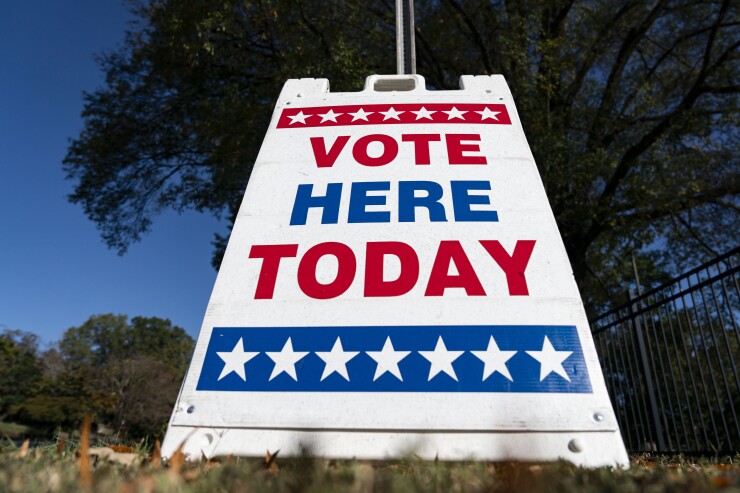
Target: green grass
48, 469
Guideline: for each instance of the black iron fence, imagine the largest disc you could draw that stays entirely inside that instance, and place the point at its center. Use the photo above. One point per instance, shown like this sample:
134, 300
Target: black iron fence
670, 359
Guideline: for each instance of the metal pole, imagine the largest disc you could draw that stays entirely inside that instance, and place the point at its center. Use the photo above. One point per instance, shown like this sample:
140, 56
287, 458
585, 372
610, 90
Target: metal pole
400, 58
405, 38
637, 276
409, 37
644, 362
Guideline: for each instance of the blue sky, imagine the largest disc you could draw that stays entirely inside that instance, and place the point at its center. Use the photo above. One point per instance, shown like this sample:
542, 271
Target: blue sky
55, 271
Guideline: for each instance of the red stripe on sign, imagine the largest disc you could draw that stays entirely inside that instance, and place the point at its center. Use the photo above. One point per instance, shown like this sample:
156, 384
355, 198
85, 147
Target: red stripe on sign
382, 114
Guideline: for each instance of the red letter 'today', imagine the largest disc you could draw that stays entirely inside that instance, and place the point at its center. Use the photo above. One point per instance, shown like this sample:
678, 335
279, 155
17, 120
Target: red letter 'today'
270, 255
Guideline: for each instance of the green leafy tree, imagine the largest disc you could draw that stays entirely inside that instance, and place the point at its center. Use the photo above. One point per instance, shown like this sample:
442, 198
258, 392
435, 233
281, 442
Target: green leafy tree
59, 400
104, 338
19, 368
630, 108
131, 371
126, 373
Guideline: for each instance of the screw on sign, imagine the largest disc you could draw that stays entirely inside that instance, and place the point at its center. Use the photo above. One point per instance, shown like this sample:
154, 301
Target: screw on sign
395, 282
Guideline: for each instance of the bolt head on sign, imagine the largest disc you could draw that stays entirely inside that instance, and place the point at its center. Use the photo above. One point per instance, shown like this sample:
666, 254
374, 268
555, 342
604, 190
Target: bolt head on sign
395, 283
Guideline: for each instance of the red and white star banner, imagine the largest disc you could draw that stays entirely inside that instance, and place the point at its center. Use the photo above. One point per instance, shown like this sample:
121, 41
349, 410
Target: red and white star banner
381, 114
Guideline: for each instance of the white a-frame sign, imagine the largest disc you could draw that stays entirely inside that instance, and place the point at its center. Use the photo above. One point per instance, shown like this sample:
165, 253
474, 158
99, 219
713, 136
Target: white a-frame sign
395, 283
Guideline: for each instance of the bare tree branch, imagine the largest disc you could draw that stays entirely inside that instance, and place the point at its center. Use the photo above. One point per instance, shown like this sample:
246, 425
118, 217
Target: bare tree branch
630, 43
631, 155
475, 35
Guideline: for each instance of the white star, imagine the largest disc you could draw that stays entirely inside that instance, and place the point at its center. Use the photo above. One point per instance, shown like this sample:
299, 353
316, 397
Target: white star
235, 360
486, 113
361, 114
299, 117
441, 359
391, 114
336, 360
387, 360
454, 113
285, 360
550, 360
330, 115
423, 113
494, 359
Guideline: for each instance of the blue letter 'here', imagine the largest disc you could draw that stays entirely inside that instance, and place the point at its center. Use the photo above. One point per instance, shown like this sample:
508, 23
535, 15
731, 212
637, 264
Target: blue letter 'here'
408, 201
329, 204
359, 200
462, 200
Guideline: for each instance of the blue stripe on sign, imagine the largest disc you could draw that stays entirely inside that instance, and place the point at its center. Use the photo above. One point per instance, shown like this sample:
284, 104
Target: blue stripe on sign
444, 358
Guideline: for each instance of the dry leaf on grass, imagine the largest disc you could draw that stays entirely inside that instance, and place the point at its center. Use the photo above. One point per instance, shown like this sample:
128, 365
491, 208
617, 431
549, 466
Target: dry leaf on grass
23, 450
270, 464
156, 458
176, 461
121, 449
175, 464
644, 460
61, 444
84, 460
107, 453
211, 463
124, 459
100, 452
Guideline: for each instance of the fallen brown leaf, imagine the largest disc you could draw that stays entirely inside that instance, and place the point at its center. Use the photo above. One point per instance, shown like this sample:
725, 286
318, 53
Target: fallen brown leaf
84, 460
124, 459
121, 449
157, 455
61, 444
23, 451
100, 452
270, 464
110, 455
175, 464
